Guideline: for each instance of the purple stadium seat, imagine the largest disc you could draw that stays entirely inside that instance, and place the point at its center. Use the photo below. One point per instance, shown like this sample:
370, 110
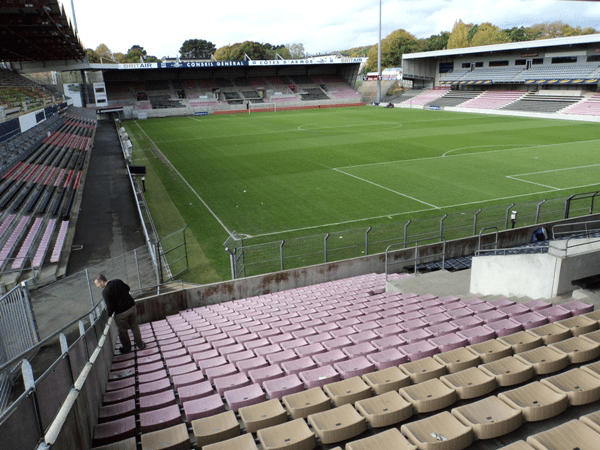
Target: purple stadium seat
459, 313
253, 363
388, 330
501, 303
576, 307
282, 356
183, 369
259, 376
420, 334
211, 362
337, 343
536, 305
361, 349
441, 329
330, 357
220, 371
555, 313
467, 322
491, 316
343, 332
154, 387
414, 324
152, 376
118, 396
388, 342
310, 350
514, 310
120, 384
480, 307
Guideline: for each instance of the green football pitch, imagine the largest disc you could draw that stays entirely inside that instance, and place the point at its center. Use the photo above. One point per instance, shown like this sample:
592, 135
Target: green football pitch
273, 176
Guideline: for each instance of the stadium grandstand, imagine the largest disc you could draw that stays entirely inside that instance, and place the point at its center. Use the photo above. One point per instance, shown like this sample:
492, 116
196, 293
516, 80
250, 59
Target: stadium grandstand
352, 354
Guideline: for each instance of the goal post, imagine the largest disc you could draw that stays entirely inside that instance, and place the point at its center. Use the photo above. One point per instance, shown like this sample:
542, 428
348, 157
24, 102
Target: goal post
262, 107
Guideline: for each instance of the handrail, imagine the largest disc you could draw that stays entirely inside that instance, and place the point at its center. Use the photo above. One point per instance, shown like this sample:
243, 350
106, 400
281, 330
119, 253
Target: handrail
417, 257
567, 247
502, 251
571, 225
495, 243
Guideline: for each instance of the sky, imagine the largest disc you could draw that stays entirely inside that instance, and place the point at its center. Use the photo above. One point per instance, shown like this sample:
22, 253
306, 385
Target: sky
161, 27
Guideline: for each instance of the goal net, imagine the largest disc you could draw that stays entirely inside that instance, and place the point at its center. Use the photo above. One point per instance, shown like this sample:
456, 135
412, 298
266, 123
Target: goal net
262, 107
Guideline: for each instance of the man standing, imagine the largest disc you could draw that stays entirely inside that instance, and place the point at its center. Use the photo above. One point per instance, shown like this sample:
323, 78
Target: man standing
118, 300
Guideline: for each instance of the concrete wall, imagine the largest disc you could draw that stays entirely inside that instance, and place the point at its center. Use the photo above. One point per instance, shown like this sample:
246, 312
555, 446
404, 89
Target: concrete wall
538, 275
158, 307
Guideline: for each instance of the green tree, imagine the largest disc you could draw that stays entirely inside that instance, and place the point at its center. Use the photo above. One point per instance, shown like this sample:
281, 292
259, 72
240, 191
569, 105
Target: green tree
254, 50
93, 57
459, 36
393, 47
296, 50
197, 48
488, 34
436, 42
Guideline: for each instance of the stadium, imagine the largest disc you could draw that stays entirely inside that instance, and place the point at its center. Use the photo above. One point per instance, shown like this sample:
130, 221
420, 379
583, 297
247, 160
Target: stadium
316, 262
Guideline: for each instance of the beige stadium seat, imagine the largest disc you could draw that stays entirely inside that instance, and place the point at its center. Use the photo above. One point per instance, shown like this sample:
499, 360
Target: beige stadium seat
302, 404
458, 359
430, 395
544, 359
293, 435
519, 445
592, 420
568, 436
489, 417
551, 332
385, 409
390, 439
491, 350
173, 438
390, 379
423, 369
579, 325
522, 341
594, 315
219, 427
579, 349
441, 431
580, 386
126, 444
337, 424
536, 401
509, 371
347, 391
242, 442
262, 415
592, 368
470, 383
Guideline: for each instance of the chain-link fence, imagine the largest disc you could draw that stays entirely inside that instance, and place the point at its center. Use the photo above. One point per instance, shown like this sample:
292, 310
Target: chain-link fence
248, 259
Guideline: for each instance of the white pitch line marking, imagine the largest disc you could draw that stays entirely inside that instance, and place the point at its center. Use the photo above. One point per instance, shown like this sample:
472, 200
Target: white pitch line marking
387, 189
185, 181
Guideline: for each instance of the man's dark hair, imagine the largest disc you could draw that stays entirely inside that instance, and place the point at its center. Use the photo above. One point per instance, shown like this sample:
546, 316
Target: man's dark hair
100, 277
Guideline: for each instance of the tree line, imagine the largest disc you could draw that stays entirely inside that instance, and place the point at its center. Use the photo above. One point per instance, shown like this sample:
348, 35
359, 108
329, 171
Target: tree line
392, 47
201, 49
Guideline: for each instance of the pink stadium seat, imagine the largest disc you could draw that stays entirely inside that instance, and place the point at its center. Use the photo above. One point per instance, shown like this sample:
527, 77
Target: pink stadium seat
531, 320
280, 387
467, 322
153, 402
555, 313
116, 411
354, 367
244, 396
501, 303
259, 376
388, 342
234, 381
159, 419
417, 335
480, 307
183, 369
441, 329
459, 313
577, 307
419, 350
310, 350
253, 363
477, 334
195, 391
330, 357
505, 327
282, 356
154, 387
211, 362
491, 316
118, 396
120, 384
152, 376
515, 310
361, 349
319, 376
448, 342
220, 371
387, 358
388, 330
114, 431
203, 407
343, 332
234, 358
298, 365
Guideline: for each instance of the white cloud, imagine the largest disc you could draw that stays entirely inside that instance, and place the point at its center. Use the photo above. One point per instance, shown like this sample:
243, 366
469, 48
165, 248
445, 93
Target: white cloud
161, 27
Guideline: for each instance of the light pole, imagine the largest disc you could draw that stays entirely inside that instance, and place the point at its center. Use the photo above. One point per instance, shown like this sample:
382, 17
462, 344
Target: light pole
379, 59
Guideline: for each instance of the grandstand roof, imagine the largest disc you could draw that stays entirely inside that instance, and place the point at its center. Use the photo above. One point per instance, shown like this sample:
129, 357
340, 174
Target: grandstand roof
526, 45
37, 30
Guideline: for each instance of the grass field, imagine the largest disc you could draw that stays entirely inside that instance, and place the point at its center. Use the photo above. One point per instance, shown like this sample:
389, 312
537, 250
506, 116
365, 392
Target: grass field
273, 176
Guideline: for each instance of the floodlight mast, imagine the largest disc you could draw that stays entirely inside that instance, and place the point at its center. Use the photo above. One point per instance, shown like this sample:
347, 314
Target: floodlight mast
379, 59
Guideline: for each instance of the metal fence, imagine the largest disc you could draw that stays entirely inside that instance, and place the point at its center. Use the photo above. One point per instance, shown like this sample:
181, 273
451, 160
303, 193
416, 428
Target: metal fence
18, 333
248, 258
